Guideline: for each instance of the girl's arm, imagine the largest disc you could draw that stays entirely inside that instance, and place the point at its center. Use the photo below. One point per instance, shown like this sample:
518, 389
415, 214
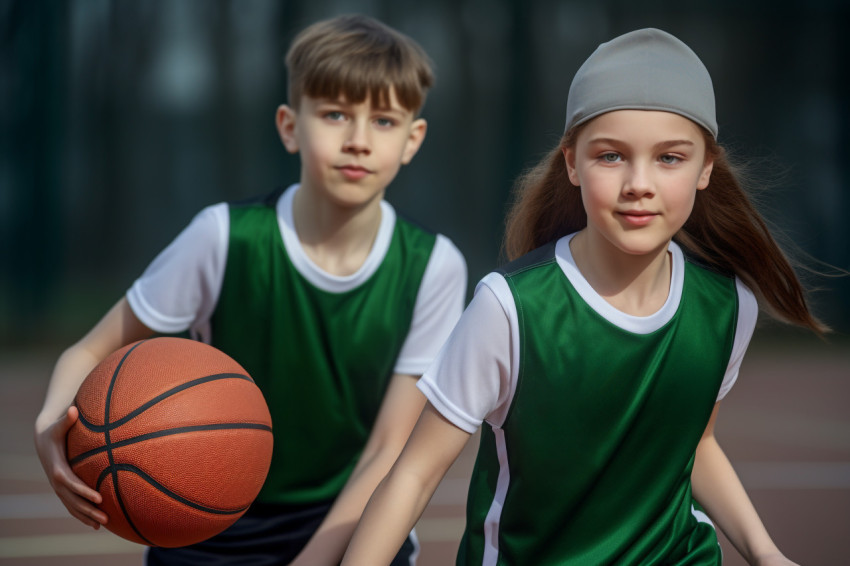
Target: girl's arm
401, 406
117, 328
717, 487
401, 497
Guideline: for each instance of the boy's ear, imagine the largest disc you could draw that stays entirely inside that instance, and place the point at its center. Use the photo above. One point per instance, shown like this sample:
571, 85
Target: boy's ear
418, 128
285, 121
570, 160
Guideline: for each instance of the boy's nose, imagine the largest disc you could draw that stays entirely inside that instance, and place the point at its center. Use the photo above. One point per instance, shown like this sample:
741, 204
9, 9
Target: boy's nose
357, 140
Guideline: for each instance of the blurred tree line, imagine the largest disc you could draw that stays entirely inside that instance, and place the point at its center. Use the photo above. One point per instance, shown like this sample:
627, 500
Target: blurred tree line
121, 119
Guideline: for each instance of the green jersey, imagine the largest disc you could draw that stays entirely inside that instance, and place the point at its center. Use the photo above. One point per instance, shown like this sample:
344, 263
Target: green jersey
587, 449
322, 359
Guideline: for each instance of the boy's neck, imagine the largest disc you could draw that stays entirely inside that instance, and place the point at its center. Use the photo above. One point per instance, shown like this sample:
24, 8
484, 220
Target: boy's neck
337, 239
637, 285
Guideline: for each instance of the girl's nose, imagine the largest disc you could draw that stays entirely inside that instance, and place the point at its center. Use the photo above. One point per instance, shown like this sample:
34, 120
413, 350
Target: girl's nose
639, 182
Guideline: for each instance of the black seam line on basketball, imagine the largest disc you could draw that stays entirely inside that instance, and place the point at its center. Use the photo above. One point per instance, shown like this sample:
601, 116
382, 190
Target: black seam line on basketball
168, 432
142, 408
159, 487
108, 445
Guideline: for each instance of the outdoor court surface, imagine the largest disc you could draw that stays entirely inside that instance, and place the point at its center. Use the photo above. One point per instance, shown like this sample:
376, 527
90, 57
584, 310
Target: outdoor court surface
785, 426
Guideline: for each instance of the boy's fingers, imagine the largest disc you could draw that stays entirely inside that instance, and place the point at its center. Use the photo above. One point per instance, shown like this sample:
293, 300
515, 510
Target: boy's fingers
81, 489
70, 418
83, 509
70, 479
85, 519
77, 497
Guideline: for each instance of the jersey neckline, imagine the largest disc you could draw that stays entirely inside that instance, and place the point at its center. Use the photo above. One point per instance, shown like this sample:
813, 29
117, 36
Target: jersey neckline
630, 323
312, 272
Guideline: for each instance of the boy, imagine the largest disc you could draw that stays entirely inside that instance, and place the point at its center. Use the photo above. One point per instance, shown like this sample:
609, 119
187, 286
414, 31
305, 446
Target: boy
332, 304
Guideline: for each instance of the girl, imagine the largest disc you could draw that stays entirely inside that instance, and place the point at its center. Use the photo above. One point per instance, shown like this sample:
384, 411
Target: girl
597, 359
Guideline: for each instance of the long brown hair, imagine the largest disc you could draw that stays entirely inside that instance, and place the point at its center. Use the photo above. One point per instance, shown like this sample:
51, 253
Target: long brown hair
724, 231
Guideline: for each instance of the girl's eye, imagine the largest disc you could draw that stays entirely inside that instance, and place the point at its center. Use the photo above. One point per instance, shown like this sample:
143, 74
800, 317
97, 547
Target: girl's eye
610, 157
669, 159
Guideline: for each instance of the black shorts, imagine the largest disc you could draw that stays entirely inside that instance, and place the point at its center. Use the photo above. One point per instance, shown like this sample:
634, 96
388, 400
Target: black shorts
266, 535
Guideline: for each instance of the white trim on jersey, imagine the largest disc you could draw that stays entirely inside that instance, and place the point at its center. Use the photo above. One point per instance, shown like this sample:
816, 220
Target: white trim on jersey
635, 324
748, 312
494, 514
700, 516
180, 288
417, 548
315, 274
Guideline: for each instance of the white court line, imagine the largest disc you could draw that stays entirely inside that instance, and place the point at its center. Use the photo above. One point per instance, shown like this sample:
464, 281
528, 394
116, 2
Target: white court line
20, 467
445, 529
32, 506
67, 545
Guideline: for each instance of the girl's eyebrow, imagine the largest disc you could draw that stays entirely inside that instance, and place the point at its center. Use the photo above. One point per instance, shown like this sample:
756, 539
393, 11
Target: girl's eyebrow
673, 143
658, 146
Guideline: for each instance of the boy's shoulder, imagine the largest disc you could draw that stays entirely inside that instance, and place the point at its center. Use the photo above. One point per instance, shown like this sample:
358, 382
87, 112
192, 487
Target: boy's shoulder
266, 199
405, 222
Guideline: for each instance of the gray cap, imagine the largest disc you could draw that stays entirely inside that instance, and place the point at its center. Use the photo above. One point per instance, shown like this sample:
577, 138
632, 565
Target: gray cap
647, 69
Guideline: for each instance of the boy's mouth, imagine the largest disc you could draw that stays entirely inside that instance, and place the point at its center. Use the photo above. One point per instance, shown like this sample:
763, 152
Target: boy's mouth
353, 172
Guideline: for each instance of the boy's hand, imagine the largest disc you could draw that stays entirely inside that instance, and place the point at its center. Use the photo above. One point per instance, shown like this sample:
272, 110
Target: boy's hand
78, 498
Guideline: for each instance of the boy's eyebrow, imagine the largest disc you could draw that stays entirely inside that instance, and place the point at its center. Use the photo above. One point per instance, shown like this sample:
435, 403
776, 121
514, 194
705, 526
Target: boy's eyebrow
391, 109
400, 110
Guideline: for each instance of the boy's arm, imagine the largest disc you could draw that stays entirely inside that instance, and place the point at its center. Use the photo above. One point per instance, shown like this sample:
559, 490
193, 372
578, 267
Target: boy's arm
399, 410
717, 487
118, 327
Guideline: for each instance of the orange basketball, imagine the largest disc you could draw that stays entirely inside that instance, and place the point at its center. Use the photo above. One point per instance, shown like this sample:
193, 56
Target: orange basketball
176, 437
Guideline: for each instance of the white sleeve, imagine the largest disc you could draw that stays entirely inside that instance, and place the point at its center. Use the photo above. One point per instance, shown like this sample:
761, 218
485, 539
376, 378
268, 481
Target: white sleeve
439, 304
748, 311
179, 289
473, 377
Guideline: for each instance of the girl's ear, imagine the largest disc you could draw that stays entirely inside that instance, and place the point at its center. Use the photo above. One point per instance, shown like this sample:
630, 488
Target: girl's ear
705, 175
570, 159
285, 121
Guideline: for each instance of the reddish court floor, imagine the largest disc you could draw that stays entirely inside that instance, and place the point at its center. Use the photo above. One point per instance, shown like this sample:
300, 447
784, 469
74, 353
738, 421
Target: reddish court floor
785, 426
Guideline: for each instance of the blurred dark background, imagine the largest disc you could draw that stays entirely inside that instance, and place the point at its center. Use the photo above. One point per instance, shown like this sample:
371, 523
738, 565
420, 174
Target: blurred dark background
120, 120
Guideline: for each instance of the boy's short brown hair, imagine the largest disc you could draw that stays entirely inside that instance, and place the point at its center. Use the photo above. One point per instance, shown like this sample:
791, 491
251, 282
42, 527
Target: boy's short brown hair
357, 57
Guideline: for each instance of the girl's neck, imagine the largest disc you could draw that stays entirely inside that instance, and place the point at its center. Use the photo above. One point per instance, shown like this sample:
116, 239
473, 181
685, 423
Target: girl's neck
337, 239
636, 285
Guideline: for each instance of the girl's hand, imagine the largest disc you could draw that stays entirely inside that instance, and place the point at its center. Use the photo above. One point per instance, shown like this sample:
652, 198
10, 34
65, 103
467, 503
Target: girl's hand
78, 498
774, 559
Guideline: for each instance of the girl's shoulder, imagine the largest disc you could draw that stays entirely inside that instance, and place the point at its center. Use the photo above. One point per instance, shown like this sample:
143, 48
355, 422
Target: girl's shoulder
543, 255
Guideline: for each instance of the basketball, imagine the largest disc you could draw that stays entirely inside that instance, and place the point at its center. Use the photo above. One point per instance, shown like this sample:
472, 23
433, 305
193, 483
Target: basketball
176, 437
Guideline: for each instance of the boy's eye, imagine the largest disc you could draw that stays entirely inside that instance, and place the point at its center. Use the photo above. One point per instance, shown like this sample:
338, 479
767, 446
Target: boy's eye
334, 115
385, 122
